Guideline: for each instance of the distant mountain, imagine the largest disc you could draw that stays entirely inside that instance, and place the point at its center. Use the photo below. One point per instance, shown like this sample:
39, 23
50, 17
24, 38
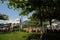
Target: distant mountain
26, 21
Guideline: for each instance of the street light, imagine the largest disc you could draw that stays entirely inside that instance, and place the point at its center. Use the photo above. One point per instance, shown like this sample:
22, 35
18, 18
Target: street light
21, 22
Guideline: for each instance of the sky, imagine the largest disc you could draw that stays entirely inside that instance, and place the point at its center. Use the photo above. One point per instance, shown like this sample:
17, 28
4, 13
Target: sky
13, 14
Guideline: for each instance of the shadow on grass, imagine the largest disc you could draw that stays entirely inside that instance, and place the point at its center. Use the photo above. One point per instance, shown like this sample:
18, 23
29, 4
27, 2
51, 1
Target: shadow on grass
52, 35
33, 37
49, 35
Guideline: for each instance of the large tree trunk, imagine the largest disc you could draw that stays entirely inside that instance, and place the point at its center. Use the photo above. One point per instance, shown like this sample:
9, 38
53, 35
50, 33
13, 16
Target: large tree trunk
50, 23
41, 24
42, 29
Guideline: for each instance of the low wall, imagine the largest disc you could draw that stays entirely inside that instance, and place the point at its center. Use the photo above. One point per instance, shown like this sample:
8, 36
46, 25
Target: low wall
37, 29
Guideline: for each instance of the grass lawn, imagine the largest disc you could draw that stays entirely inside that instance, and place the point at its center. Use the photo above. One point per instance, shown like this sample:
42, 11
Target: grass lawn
18, 35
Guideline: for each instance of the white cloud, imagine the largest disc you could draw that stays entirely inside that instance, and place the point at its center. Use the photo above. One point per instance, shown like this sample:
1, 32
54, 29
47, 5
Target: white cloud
14, 21
9, 21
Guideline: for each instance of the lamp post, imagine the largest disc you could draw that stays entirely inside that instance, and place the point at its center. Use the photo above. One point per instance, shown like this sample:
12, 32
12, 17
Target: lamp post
21, 22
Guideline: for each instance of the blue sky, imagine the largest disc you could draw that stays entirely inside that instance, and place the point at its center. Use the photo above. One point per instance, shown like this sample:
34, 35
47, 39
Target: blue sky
13, 14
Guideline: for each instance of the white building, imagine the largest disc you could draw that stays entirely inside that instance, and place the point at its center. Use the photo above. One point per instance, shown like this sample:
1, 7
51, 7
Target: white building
14, 22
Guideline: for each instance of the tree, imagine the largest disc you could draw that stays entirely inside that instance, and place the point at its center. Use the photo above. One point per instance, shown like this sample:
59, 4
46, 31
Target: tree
31, 23
3, 17
47, 9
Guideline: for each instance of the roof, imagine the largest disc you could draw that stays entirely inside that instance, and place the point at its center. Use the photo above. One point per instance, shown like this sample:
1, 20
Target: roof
14, 21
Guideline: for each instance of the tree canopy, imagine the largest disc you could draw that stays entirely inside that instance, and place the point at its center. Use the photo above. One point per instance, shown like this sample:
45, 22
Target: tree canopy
47, 7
